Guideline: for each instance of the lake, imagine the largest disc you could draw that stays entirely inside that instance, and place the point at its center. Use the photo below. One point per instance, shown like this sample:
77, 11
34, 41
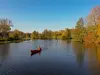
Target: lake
57, 58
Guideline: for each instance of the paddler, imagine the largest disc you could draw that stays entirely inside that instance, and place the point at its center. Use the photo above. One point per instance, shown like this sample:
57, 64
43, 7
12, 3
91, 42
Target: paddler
39, 48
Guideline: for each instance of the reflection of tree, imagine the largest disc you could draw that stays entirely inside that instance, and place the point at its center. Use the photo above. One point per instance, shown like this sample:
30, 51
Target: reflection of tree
79, 52
4, 51
98, 53
48, 43
93, 58
35, 43
69, 41
92, 52
66, 41
45, 43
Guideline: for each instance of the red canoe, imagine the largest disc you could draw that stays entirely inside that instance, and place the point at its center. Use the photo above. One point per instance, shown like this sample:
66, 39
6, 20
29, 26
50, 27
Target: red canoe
36, 51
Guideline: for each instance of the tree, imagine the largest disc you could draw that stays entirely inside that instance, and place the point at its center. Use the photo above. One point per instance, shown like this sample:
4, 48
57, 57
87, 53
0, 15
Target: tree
91, 34
93, 23
5, 25
35, 35
17, 34
92, 18
47, 34
80, 30
66, 34
27, 36
55, 35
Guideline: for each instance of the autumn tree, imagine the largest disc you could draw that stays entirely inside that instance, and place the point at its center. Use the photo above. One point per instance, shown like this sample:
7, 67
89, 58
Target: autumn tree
92, 18
93, 28
91, 34
5, 27
79, 31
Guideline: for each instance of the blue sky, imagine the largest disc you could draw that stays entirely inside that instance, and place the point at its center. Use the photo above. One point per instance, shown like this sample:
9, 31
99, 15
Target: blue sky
30, 15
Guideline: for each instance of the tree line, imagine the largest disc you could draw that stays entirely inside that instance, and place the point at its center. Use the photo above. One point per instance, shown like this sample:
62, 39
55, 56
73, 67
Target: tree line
87, 29
7, 34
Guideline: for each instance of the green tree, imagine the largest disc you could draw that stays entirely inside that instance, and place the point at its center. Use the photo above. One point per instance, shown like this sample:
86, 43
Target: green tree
66, 34
49, 35
17, 34
45, 34
79, 31
55, 35
27, 36
35, 35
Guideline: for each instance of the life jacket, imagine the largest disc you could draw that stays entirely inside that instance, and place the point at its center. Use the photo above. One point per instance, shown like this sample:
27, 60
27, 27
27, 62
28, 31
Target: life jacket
39, 49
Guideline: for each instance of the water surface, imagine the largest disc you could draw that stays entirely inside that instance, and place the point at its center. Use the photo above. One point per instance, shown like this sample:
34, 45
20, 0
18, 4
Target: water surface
57, 58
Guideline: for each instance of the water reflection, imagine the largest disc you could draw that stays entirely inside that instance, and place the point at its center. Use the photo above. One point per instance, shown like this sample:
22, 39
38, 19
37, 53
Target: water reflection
48, 43
84, 57
4, 52
65, 42
98, 55
93, 52
79, 51
68, 41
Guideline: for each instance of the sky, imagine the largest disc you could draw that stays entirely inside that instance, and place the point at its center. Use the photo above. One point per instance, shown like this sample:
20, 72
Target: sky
30, 15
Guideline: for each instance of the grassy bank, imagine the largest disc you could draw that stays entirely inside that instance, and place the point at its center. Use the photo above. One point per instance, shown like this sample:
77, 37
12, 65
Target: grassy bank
6, 40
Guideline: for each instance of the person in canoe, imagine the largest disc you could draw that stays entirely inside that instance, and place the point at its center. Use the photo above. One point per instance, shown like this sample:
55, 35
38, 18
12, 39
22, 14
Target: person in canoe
39, 48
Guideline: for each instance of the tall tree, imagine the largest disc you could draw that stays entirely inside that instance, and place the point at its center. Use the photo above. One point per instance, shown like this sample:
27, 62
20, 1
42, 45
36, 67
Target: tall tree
93, 24
35, 35
47, 34
79, 31
55, 34
5, 25
27, 36
92, 18
67, 33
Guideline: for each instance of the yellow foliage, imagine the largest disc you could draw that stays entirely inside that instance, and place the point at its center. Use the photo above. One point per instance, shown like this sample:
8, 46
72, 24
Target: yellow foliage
98, 30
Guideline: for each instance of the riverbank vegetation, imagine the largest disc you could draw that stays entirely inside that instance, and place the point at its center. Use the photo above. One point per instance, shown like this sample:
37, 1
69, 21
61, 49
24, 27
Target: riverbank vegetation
87, 30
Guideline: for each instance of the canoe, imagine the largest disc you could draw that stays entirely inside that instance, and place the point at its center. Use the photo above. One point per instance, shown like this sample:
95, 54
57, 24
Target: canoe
33, 52
36, 51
